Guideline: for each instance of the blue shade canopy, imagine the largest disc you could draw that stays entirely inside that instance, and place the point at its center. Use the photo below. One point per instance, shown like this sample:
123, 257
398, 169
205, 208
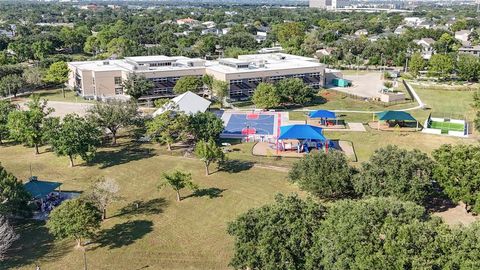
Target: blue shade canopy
395, 115
322, 114
40, 189
301, 132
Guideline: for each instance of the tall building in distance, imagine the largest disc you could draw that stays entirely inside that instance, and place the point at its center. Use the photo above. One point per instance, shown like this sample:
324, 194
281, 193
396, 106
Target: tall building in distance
323, 4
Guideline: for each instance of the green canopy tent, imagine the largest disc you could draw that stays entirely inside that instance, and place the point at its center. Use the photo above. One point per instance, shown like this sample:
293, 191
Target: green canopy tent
395, 116
40, 189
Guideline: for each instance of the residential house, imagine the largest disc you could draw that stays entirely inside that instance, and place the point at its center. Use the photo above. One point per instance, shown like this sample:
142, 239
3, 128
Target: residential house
463, 37
427, 47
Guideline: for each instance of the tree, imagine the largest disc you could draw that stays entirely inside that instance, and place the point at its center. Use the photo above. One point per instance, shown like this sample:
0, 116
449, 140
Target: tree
220, 90
57, 74
13, 196
178, 180
33, 76
266, 96
75, 136
458, 173
168, 128
276, 236
7, 236
207, 80
5, 109
358, 235
11, 84
209, 153
28, 126
416, 64
114, 115
392, 171
137, 86
440, 65
294, 91
468, 67
323, 175
187, 83
205, 126
290, 34
75, 219
444, 44
102, 193
41, 49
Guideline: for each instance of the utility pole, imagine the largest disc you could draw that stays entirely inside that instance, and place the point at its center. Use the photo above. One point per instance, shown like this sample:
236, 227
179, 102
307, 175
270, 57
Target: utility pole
84, 259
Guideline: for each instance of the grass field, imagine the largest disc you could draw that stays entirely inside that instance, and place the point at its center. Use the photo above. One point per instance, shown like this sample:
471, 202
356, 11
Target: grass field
162, 234
56, 95
447, 126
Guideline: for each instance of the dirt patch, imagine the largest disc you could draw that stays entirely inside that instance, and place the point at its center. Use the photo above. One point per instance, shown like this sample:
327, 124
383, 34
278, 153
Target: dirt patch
457, 216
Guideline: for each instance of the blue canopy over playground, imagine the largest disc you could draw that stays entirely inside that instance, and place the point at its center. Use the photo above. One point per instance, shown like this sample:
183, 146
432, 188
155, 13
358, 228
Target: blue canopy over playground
301, 132
322, 114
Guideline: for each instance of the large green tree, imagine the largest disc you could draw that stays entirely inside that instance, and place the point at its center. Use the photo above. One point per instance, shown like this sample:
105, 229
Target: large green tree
168, 128
6, 107
392, 171
416, 64
114, 115
266, 96
457, 171
370, 234
294, 91
29, 126
57, 74
468, 67
11, 85
205, 126
220, 90
440, 65
209, 152
75, 136
178, 180
276, 236
323, 175
75, 219
137, 86
13, 196
187, 83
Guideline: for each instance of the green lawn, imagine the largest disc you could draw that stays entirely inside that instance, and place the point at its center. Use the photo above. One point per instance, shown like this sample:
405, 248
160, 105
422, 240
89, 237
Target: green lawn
162, 233
56, 95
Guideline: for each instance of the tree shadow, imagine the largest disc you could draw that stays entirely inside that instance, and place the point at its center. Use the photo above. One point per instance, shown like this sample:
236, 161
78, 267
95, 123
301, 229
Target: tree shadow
125, 154
439, 203
235, 166
34, 243
207, 192
151, 207
124, 234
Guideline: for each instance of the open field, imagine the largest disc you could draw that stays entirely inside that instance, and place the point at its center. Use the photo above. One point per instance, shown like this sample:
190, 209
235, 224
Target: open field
161, 234
56, 95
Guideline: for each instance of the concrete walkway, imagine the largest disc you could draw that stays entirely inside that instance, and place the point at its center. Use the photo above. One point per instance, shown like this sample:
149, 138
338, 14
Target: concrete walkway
359, 127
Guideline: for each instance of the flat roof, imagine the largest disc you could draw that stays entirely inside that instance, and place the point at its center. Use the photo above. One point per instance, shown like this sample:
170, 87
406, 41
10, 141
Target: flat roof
256, 62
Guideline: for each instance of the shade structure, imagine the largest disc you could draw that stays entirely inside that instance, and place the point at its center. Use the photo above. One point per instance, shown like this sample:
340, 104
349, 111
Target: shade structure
395, 115
301, 132
323, 114
39, 189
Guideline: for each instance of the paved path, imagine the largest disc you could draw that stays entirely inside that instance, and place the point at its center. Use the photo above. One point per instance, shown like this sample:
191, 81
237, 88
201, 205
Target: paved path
63, 108
356, 127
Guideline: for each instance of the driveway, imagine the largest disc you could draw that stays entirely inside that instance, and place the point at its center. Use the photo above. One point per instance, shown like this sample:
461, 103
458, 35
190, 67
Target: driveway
364, 85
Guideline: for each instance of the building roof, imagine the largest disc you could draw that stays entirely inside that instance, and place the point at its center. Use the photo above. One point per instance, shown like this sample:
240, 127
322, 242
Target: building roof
40, 189
395, 115
301, 132
188, 102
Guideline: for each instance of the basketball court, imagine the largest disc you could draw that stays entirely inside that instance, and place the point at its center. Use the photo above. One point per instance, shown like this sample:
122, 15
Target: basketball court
250, 124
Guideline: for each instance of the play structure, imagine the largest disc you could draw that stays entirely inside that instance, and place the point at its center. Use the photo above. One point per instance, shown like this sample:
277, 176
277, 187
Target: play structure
446, 126
301, 138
